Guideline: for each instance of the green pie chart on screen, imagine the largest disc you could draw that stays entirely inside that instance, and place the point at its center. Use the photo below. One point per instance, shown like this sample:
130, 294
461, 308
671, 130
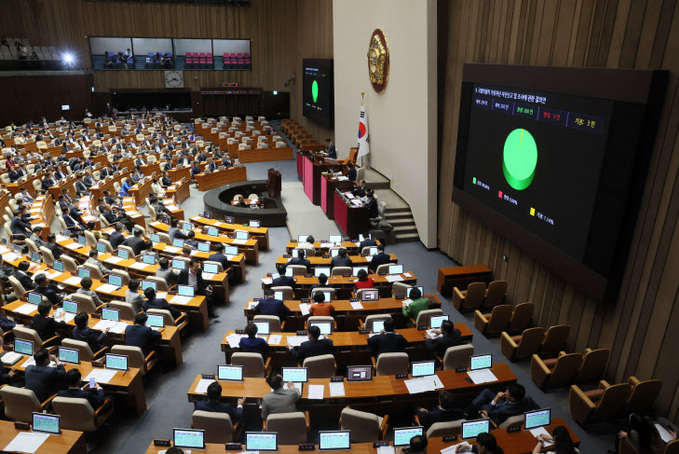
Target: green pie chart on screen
520, 158
314, 90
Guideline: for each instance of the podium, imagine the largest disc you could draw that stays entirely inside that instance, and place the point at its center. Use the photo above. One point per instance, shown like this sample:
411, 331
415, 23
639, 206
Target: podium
273, 184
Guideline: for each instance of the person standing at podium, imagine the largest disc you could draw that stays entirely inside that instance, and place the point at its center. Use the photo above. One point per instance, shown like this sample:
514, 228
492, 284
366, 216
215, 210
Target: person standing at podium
332, 152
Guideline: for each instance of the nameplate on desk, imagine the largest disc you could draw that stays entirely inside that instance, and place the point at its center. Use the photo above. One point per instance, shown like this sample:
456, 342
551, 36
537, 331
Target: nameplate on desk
208, 376
233, 447
293, 241
160, 442
363, 331
450, 438
22, 425
511, 429
307, 447
256, 299
336, 379
285, 256
346, 275
400, 297
353, 300
240, 331
422, 328
98, 363
307, 275
379, 444
382, 273
401, 375
461, 370
306, 300
301, 333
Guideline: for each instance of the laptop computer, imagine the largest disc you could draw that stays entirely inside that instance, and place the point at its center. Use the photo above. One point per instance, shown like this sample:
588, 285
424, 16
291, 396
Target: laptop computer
334, 440
403, 435
263, 328
423, 368
321, 270
186, 290
155, 321
110, 314
261, 441
325, 327
471, 429
230, 372
359, 373
69, 355
50, 424
189, 438
370, 295
116, 362
395, 269
537, 418
477, 362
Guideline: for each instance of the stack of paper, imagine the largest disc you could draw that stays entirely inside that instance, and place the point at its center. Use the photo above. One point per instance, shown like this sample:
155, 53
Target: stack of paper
394, 278
541, 431
406, 302
230, 257
28, 442
423, 384
74, 246
180, 300
275, 339
385, 450
304, 308
239, 241
114, 259
172, 249
453, 448
10, 257
336, 389
296, 341
267, 281
138, 265
368, 258
252, 305
408, 275
234, 339
202, 385
101, 375
106, 288
54, 275
481, 376
356, 305
26, 308
73, 280
315, 392
208, 276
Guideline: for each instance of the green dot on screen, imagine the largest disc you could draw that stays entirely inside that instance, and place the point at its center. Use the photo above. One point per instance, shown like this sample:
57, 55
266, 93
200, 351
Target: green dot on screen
520, 158
314, 90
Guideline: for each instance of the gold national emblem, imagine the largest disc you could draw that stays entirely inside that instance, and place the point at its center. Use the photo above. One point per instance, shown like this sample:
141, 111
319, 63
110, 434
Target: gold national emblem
378, 61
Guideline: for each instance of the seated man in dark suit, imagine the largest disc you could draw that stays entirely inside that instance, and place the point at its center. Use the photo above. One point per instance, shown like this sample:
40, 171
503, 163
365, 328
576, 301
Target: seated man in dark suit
95, 396
19, 227
193, 275
371, 204
42, 287
313, 347
380, 258
359, 190
219, 257
152, 302
140, 335
214, 392
136, 242
271, 306
450, 337
341, 260
351, 172
80, 186
43, 324
282, 280
252, 343
446, 411
23, 278
52, 245
387, 341
71, 224
117, 237
367, 242
502, 405
42, 379
300, 260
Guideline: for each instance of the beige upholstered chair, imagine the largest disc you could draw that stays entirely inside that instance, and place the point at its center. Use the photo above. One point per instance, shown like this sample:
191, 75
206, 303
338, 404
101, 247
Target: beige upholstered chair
470, 299
457, 356
253, 364
288, 292
443, 429
365, 427
522, 346
85, 303
372, 318
424, 317
22, 332
331, 290
20, 403
125, 310
494, 323
218, 427
274, 321
643, 394
593, 365
399, 289
321, 366
495, 294
292, 428
298, 270
78, 414
599, 404
521, 318
553, 372
136, 357
340, 270
555, 340
392, 364
84, 351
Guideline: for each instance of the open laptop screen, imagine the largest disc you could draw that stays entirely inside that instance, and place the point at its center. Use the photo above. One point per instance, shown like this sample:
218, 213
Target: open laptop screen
480, 362
359, 373
261, 441
332, 440
538, 418
471, 429
403, 435
230, 372
423, 368
189, 438
295, 374
46, 423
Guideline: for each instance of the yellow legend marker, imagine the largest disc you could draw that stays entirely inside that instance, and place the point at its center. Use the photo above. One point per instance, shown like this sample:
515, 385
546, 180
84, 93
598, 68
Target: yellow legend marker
532, 211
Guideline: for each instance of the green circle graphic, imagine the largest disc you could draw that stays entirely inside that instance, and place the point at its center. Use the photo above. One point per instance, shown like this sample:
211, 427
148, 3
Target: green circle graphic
520, 158
314, 90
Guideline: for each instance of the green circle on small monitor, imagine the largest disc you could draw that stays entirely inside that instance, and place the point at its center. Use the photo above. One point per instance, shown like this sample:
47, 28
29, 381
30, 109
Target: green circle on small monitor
314, 90
520, 158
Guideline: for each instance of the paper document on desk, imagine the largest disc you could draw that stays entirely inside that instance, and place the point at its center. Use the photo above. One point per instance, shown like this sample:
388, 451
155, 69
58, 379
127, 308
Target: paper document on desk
54, 275
234, 339
68, 317
74, 246
180, 300
252, 305
541, 431
119, 328
103, 324
275, 339
172, 249
101, 375
28, 442
26, 308
419, 385
231, 257
385, 450
208, 276
106, 288
296, 341
432, 334
406, 302
267, 281
239, 241
394, 278
664, 433
452, 449
336, 389
202, 385
31, 362
368, 258
315, 392
481, 376
73, 280
61, 238
342, 178
114, 259
3, 249
304, 308
138, 266
356, 305
10, 257
349, 195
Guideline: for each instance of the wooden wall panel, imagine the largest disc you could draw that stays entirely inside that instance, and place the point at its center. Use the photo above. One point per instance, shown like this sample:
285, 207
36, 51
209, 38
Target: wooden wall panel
282, 32
643, 34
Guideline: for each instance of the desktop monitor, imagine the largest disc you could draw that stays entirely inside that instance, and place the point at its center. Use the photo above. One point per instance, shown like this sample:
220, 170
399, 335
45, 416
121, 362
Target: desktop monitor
435, 321
149, 284
189, 438
334, 252
395, 269
471, 429
356, 269
114, 279
186, 290
69, 355
403, 435
537, 418
231, 250
35, 257
58, 266
229, 219
254, 224
155, 321
82, 240
213, 231
371, 294
70, 306
295, 374
25, 347
302, 238
278, 295
261, 441
321, 270
333, 440
187, 226
178, 264
477, 362
110, 314
83, 272
325, 327
423, 368
230, 372
242, 235
101, 247
263, 328
378, 326
177, 242
116, 362
410, 289
46, 423
203, 247
148, 259
155, 238
210, 268
34, 298
359, 373
123, 254
335, 239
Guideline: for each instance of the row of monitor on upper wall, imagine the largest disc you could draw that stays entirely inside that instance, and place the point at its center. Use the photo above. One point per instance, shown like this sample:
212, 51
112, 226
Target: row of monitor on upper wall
110, 53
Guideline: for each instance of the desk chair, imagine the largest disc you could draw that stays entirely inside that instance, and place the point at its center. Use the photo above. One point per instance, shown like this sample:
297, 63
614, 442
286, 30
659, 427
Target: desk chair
95, 272
274, 321
424, 317
522, 346
372, 318
292, 428
70, 265
340, 270
253, 364
456, 356
643, 394
19, 290
168, 320
84, 351
521, 318
161, 283
399, 289
128, 249
470, 299
136, 357
32, 246
494, 323
320, 318
495, 294
218, 427
124, 274
383, 268
555, 340
21, 403
90, 239
288, 292
593, 365
323, 289
78, 414
365, 427
85, 303
297, 270
391, 363
321, 366
603, 403
220, 267
443, 429
555, 371
22, 332
360, 292
126, 310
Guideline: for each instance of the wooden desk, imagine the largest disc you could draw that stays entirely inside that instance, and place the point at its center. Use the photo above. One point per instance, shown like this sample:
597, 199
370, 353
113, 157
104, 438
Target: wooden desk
260, 233
141, 191
221, 177
177, 174
328, 187
323, 247
345, 285
67, 442
461, 277
520, 442
318, 260
352, 220
148, 169
265, 154
180, 192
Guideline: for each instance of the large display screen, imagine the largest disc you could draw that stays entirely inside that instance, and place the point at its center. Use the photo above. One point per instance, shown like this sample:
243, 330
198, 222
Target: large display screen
318, 90
554, 160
